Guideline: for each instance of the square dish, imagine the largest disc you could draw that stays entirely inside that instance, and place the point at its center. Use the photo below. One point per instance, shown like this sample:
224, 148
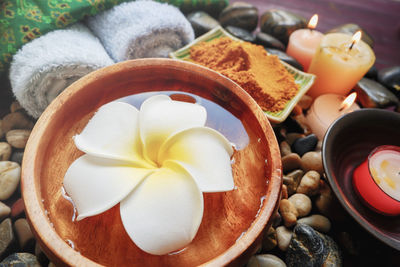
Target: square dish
304, 80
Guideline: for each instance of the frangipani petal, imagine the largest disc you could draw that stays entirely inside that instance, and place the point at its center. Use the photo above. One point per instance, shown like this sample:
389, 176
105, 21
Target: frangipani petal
97, 184
205, 154
113, 132
160, 117
164, 212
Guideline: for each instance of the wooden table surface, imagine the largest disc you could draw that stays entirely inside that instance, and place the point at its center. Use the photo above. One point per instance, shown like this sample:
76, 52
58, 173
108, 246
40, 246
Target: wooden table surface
380, 18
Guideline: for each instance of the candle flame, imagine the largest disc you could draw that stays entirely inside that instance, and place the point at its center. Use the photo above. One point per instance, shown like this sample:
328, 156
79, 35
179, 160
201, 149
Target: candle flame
313, 22
355, 39
348, 101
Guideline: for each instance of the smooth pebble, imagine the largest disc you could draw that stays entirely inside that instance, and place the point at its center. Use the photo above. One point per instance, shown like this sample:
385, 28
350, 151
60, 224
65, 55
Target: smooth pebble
283, 236
302, 204
10, 174
4, 210
5, 151
309, 184
318, 222
265, 260
312, 160
288, 212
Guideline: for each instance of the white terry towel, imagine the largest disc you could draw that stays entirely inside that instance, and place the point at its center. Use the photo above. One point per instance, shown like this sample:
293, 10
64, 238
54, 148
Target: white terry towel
44, 67
141, 29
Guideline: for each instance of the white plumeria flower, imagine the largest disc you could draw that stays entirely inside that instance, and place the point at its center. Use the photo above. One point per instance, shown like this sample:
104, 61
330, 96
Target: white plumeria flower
156, 163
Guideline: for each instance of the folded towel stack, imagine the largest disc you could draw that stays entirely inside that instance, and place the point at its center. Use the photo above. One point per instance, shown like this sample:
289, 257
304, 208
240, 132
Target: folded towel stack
44, 67
141, 29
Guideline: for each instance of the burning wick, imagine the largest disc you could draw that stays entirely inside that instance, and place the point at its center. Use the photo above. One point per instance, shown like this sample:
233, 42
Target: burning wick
348, 101
313, 22
356, 38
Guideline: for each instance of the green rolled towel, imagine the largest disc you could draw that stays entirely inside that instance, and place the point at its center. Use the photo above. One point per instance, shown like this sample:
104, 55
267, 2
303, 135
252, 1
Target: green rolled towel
24, 20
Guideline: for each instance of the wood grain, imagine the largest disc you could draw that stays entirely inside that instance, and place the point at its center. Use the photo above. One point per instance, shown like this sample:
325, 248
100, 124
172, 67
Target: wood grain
233, 222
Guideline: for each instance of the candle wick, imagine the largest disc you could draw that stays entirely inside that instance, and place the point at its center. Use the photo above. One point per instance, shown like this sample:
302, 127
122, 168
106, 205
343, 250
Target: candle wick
342, 107
352, 44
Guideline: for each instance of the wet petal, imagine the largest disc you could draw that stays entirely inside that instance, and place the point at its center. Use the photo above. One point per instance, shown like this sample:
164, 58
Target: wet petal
160, 117
113, 133
205, 154
97, 184
164, 212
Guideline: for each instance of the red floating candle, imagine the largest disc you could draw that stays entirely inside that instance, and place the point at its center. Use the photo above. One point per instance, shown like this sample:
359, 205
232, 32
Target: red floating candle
377, 180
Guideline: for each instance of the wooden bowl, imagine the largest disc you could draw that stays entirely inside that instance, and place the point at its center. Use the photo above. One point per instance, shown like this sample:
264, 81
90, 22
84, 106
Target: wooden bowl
233, 222
346, 145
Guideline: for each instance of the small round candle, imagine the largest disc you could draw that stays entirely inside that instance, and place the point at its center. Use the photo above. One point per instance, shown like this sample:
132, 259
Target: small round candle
304, 42
377, 180
339, 63
326, 109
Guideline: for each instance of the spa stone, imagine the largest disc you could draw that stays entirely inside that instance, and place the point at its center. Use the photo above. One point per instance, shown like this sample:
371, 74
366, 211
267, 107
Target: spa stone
281, 24
310, 248
241, 34
269, 41
372, 94
241, 15
201, 22
390, 77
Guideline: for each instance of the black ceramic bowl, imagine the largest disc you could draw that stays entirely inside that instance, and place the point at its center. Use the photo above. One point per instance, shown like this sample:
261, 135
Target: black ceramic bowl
346, 144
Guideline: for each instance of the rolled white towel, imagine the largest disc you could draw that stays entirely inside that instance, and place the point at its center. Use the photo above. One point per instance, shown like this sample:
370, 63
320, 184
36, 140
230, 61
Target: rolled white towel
141, 29
44, 67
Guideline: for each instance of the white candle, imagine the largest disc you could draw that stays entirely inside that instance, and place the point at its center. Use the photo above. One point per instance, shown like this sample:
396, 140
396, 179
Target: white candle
384, 166
339, 63
304, 42
325, 110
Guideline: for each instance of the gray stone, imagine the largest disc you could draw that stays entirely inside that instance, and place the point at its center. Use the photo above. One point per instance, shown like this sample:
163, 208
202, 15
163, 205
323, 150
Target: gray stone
241, 34
318, 222
351, 29
305, 144
302, 203
281, 24
372, 94
266, 260
285, 57
20, 260
390, 77
6, 237
201, 22
240, 14
269, 41
310, 248
10, 174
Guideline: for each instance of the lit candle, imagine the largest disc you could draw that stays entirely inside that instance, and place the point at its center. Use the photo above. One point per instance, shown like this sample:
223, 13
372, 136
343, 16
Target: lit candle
339, 63
377, 180
326, 109
304, 42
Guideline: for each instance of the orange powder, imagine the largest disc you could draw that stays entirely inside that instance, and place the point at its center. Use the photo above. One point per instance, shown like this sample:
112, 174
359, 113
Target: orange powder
261, 75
